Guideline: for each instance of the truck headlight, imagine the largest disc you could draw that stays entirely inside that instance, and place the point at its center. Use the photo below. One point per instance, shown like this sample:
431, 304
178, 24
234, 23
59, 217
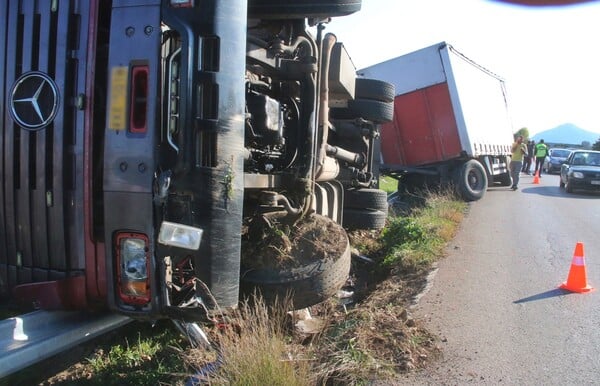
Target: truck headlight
133, 262
577, 175
179, 235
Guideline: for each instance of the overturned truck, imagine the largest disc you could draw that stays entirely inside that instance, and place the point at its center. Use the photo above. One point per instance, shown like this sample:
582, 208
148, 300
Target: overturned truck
451, 122
149, 147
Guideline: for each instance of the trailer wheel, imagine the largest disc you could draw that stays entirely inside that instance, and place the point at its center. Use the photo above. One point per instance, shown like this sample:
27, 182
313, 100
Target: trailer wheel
471, 180
276, 9
366, 199
370, 110
303, 286
374, 89
363, 219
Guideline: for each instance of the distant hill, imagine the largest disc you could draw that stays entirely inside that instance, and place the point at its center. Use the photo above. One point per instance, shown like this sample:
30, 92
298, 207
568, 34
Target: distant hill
568, 134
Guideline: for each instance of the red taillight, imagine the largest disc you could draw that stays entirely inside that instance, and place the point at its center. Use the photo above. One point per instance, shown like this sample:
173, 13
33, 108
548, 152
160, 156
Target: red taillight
139, 99
133, 266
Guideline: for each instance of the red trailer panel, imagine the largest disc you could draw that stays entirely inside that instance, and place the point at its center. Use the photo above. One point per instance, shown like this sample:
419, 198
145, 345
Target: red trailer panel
446, 107
423, 130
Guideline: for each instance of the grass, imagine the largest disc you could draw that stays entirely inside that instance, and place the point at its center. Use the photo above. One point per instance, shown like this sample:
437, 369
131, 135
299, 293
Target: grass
255, 350
416, 241
374, 338
388, 184
378, 339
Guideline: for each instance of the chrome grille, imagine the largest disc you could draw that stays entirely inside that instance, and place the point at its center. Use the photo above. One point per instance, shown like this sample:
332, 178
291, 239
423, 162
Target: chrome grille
41, 200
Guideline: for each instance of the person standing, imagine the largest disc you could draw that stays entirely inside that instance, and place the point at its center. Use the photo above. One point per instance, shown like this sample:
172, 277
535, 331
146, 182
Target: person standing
531, 151
518, 151
527, 160
541, 152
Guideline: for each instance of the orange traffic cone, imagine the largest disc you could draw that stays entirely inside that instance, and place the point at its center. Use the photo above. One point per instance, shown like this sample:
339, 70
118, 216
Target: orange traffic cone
536, 177
577, 280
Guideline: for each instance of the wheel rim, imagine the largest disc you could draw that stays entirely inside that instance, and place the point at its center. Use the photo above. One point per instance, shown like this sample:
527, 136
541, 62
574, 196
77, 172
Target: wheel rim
474, 180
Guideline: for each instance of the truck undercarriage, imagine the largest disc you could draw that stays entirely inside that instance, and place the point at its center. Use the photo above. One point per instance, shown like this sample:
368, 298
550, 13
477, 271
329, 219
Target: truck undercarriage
144, 141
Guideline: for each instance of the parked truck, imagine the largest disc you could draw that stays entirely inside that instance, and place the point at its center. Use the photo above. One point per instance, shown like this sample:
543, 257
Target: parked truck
451, 122
146, 145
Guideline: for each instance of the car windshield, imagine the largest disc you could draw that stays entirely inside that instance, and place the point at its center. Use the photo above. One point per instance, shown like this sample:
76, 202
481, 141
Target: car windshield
563, 153
594, 159
584, 158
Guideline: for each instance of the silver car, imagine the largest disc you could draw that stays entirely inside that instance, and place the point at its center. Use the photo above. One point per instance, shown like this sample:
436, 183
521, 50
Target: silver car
556, 157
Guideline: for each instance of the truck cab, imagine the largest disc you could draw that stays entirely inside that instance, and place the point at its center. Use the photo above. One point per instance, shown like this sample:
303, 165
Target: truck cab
144, 142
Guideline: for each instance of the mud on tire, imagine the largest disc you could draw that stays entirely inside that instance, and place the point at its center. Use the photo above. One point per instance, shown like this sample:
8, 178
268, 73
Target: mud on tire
314, 265
305, 286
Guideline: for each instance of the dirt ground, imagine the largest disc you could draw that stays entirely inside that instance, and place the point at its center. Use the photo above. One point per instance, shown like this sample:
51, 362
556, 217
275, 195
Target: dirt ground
376, 316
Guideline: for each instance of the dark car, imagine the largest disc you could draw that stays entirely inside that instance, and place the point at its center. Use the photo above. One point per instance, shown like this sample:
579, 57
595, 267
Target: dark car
556, 157
581, 171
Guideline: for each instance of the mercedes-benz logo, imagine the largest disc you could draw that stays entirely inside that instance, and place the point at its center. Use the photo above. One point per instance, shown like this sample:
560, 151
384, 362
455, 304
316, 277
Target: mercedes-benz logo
34, 100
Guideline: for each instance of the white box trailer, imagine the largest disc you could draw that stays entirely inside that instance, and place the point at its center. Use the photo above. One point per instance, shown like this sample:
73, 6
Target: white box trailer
451, 121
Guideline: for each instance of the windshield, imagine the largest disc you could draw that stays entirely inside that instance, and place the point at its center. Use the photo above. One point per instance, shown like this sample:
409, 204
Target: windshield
562, 153
584, 158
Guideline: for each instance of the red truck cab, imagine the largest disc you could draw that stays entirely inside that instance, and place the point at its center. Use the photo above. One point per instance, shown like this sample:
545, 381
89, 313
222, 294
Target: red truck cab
140, 138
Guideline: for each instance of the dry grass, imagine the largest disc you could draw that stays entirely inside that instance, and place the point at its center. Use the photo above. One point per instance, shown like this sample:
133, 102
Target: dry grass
376, 340
255, 349
373, 338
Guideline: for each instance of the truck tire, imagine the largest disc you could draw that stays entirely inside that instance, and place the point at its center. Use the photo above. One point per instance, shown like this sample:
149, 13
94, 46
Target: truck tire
375, 199
363, 219
303, 286
374, 89
471, 180
300, 9
371, 110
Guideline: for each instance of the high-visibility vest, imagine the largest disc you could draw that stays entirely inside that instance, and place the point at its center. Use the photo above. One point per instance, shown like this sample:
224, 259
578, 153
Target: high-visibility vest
541, 150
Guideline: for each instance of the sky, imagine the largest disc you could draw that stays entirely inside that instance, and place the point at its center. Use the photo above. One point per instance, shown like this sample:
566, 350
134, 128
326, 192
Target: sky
548, 56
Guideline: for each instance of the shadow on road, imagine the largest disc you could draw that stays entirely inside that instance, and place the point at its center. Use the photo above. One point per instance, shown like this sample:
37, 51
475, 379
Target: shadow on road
543, 295
526, 186
555, 191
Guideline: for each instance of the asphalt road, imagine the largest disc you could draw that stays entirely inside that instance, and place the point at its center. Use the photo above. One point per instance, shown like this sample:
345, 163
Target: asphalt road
494, 300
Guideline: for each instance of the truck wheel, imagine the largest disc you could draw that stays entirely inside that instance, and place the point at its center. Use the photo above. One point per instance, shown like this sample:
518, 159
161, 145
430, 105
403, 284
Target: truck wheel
277, 9
363, 219
303, 286
366, 199
370, 110
471, 180
374, 89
